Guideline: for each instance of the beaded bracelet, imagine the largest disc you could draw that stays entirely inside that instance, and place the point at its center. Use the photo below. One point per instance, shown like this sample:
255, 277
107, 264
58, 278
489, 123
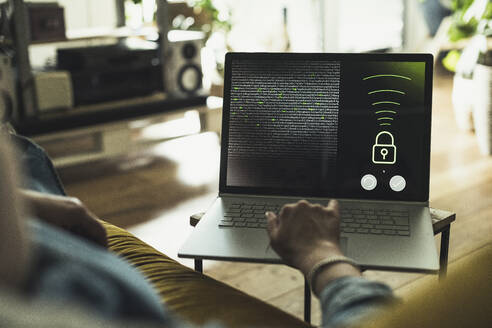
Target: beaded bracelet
326, 262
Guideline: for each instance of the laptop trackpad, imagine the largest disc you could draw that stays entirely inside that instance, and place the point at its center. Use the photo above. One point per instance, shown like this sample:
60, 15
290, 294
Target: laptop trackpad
343, 247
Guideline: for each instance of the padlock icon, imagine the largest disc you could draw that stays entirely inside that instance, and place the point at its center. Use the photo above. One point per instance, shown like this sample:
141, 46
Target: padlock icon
384, 153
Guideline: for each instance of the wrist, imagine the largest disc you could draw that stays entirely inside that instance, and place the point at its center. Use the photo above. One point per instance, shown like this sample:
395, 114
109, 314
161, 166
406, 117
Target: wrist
331, 272
331, 268
308, 259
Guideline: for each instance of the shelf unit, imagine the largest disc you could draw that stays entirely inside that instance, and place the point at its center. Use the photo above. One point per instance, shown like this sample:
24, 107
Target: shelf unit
29, 121
100, 130
123, 110
84, 142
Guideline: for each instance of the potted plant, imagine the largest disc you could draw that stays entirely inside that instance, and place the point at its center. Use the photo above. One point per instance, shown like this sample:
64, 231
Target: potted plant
482, 88
470, 21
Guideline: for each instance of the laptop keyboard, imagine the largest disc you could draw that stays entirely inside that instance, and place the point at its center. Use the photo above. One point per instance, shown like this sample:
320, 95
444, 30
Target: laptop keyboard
249, 215
375, 222
361, 221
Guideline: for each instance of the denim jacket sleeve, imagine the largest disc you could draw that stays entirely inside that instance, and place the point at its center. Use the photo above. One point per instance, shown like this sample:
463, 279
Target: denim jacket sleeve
37, 167
345, 301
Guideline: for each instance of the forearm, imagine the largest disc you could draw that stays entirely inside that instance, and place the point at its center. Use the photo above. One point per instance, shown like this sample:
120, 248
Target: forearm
345, 296
346, 301
67, 213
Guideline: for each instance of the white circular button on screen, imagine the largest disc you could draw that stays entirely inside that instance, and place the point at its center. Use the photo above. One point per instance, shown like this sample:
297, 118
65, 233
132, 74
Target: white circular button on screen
398, 183
368, 182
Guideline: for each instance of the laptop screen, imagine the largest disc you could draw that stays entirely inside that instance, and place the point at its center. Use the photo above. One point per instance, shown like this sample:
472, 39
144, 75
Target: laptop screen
327, 125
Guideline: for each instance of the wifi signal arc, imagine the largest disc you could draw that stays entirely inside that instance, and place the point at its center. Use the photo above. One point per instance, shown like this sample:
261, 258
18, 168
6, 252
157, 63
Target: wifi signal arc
386, 90
386, 75
385, 120
386, 102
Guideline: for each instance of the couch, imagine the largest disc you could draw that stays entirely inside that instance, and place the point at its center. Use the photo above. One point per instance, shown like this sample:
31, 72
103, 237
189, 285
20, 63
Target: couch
193, 296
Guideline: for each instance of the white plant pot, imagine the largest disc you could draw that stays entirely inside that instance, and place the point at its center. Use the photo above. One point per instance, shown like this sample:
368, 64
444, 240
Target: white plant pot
482, 107
463, 102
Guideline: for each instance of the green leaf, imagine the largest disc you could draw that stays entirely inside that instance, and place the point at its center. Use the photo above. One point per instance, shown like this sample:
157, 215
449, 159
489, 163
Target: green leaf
451, 60
460, 29
488, 11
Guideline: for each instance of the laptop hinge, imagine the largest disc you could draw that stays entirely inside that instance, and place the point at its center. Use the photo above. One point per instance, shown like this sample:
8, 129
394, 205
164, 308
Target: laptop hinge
224, 194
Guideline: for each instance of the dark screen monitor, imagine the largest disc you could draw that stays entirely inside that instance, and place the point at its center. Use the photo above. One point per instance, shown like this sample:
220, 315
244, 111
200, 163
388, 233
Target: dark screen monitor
327, 125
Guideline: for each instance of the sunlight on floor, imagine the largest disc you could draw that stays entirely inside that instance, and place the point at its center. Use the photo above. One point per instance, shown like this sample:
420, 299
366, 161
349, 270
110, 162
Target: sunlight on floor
197, 157
197, 160
188, 124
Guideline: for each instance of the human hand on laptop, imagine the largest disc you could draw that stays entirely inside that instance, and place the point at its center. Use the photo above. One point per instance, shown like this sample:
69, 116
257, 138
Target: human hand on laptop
67, 213
303, 231
304, 234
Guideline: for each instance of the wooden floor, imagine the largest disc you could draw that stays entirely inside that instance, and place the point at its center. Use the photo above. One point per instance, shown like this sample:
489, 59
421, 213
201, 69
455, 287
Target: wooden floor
153, 192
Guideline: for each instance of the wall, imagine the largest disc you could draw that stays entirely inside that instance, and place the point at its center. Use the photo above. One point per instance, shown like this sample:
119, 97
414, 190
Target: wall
325, 25
82, 17
258, 24
82, 14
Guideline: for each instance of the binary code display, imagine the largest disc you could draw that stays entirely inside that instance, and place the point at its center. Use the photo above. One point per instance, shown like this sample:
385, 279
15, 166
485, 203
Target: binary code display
283, 123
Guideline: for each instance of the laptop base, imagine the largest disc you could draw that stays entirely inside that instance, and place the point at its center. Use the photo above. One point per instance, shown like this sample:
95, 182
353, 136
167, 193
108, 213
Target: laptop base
378, 252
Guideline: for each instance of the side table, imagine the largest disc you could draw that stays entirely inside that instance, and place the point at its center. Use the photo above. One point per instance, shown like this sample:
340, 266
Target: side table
441, 224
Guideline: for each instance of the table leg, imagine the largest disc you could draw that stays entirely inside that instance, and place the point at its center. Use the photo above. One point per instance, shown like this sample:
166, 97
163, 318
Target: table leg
307, 302
443, 256
199, 265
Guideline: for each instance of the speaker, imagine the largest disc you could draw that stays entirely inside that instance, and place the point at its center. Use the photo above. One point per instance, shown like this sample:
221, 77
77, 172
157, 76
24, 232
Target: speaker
8, 98
183, 69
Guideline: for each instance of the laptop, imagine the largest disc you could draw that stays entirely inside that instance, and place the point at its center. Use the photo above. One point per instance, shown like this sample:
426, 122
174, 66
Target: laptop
317, 126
